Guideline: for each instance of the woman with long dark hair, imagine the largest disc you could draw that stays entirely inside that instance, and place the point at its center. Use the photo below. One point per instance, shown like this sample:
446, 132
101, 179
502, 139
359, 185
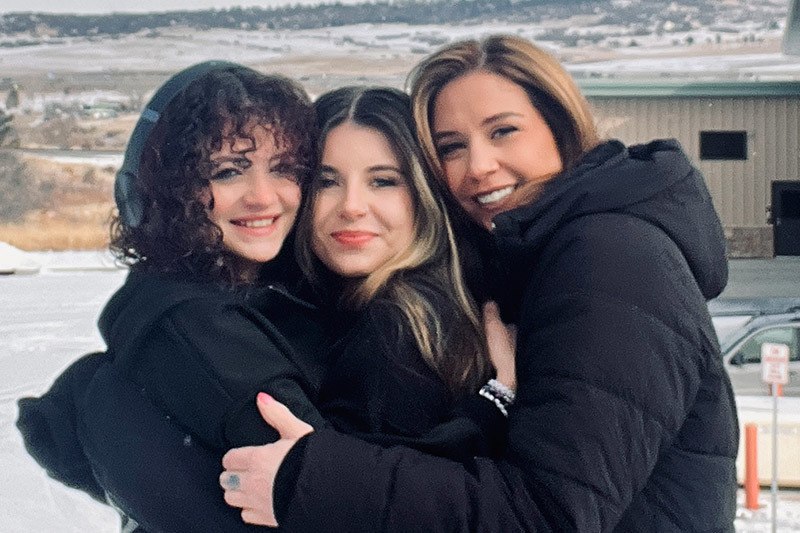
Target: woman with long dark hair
374, 239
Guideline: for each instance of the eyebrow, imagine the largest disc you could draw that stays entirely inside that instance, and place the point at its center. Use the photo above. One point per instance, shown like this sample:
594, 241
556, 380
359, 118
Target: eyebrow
374, 168
234, 158
380, 168
237, 157
283, 157
327, 168
488, 120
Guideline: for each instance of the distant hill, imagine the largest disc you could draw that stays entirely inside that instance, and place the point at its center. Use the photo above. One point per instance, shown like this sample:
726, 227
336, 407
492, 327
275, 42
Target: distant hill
21, 29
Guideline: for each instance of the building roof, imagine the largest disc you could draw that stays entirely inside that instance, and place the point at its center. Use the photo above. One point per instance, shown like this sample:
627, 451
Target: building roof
605, 88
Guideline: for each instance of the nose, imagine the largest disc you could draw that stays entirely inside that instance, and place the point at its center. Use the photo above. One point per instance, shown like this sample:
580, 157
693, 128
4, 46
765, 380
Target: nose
354, 202
260, 192
482, 161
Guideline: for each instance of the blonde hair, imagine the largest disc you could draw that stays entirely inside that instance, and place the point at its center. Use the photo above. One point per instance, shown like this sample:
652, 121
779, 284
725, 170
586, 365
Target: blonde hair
551, 90
460, 358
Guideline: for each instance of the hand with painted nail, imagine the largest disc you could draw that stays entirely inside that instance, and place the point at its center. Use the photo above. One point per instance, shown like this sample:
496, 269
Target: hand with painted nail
250, 471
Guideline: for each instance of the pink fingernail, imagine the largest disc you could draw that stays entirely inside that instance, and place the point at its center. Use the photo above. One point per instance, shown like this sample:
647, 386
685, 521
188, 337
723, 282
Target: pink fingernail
263, 397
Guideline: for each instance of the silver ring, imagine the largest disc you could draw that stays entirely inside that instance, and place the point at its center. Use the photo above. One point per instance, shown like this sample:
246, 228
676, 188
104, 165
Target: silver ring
232, 482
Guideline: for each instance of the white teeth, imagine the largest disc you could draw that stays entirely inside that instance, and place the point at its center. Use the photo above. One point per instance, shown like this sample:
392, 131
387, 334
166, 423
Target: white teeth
494, 196
262, 223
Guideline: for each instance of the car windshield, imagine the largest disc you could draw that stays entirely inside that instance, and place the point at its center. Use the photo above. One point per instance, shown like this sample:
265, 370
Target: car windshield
726, 326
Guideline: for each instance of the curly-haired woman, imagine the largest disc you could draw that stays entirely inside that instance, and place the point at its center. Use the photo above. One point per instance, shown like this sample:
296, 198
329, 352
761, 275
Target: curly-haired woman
207, 196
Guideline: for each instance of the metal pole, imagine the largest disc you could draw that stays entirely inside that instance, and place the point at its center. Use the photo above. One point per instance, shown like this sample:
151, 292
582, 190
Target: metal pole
751, 484
774, 457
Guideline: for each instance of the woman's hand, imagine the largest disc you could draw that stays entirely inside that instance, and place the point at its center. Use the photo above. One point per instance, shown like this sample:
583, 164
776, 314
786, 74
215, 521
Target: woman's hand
502, 342
250, 471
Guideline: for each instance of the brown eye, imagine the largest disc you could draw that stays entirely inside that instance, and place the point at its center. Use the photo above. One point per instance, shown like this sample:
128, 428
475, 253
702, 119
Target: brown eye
446, 149
503, 131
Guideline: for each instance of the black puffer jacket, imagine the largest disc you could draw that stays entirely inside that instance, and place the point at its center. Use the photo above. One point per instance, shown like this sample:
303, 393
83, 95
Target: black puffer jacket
625, 419
379, 387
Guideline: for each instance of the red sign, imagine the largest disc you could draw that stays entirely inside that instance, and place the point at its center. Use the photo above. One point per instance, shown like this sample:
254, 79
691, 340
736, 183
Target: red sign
775, 363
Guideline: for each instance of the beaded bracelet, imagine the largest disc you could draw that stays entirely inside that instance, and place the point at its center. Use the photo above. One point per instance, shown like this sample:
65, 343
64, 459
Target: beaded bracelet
502, 390
500, 395
495, 400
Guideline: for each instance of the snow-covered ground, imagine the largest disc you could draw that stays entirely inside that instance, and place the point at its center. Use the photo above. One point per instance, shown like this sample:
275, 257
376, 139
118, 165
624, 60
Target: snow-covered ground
49, 320
171, 49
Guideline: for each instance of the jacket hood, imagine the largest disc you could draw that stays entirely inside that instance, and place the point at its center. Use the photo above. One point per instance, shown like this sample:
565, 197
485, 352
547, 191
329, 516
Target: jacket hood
654, 182
137, 305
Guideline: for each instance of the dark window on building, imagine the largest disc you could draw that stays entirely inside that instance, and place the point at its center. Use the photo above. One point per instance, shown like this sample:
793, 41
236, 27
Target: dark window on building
723, 145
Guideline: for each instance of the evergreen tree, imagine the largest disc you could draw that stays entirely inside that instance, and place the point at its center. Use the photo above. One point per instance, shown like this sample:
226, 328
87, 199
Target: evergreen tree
19, 193
6, 130
12, 100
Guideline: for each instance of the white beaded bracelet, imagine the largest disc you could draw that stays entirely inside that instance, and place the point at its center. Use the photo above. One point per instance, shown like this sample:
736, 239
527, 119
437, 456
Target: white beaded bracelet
501, 390
494, 399
498, 394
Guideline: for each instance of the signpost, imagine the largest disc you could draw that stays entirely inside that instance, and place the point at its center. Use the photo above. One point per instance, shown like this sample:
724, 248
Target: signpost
775, 372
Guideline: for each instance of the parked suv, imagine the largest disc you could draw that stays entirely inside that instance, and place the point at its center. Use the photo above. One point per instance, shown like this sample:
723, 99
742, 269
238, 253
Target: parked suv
743, 325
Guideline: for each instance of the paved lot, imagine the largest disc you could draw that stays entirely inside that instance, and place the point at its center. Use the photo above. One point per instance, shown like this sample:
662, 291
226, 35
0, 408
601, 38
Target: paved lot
779, 277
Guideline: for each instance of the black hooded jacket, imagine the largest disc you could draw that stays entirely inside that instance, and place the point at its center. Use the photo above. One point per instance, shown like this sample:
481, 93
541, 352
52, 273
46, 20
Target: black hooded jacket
202, 353
624, 419
144, 425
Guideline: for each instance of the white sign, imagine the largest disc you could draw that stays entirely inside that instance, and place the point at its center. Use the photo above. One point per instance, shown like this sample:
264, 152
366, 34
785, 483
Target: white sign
775, 363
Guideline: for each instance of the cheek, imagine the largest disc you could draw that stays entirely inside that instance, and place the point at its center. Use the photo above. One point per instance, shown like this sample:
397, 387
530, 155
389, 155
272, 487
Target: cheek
453, 175
405, 218
318, 210
290, 196
215, 199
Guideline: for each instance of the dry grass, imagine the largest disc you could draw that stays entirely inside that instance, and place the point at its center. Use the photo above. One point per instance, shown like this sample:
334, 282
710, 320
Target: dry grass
76, 216
54, 237
83, 228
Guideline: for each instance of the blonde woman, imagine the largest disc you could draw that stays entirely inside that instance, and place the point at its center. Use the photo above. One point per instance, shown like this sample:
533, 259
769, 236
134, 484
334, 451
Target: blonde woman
624, 418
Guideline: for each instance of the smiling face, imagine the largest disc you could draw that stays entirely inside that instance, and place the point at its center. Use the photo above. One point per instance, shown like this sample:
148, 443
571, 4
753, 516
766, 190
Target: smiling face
363, 214
255, 194
490, 141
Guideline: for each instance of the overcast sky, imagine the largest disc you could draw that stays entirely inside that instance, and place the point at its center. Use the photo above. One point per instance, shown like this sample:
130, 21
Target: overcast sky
141, 6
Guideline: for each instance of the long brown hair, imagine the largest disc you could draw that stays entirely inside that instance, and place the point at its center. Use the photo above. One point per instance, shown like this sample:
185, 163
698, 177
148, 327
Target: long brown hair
450, 340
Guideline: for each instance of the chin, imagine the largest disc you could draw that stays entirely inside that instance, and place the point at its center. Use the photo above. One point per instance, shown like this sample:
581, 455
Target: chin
353, 272
260, 257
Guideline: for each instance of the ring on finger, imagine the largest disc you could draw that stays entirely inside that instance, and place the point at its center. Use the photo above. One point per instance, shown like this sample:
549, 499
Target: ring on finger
232, 482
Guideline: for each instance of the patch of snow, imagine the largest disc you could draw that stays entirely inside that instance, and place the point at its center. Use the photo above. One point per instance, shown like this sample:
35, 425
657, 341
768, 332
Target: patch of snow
15, 261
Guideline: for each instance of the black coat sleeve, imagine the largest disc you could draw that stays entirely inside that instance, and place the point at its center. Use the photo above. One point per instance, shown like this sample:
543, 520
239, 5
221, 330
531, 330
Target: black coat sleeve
151, 471
204, 363
609, 363
48, 423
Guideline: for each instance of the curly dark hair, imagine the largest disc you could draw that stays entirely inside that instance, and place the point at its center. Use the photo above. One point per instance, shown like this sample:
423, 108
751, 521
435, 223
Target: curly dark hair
176, 235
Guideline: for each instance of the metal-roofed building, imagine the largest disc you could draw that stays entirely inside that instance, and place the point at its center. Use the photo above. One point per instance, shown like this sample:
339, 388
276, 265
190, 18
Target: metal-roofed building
743, 135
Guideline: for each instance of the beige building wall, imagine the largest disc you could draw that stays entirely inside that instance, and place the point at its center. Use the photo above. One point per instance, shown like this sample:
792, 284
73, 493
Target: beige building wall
741, 189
